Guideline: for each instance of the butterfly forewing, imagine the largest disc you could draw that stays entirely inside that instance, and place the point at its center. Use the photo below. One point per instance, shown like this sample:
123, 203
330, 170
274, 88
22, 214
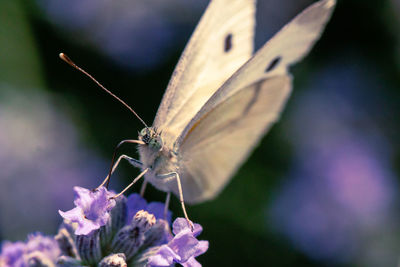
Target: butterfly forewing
221, 43
287, 47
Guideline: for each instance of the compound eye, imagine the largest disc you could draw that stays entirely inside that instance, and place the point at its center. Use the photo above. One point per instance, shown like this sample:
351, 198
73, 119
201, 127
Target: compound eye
143, 132
144, 135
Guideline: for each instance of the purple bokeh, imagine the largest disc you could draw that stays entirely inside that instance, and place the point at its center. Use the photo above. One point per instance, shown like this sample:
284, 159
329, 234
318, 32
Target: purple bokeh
136, 34
37, 247
143, 34
341, 190
42, 159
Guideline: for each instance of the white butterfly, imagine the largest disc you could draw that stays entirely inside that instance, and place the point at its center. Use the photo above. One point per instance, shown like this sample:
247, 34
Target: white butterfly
221, 99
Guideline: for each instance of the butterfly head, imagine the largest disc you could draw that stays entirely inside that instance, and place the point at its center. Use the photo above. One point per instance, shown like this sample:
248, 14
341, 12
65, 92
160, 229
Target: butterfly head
151, 138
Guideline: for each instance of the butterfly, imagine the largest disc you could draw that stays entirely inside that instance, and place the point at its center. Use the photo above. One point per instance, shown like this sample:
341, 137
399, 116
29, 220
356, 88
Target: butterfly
222, 99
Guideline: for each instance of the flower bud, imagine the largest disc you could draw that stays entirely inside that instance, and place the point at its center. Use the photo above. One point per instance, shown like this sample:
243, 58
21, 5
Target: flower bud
157, 234
114, 260
89, 247
131, 237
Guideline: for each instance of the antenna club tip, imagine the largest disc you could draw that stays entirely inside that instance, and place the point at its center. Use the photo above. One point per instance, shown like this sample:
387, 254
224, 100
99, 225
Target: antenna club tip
64, 57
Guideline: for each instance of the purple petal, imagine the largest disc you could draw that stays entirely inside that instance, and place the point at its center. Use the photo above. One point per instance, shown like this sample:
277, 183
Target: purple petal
94, 204
80, 194
192, 262
201, 248
181, 224
184, 244
74, 215
86, 227
83, 197
164, 257
92, 209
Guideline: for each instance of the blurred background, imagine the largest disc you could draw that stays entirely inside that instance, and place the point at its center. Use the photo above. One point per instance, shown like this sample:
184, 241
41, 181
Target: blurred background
321, 189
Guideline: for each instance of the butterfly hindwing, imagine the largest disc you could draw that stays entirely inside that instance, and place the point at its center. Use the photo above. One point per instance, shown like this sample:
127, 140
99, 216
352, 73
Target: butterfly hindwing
223, 138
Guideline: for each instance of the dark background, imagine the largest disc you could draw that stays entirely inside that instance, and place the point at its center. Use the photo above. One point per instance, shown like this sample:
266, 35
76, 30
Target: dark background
320, 190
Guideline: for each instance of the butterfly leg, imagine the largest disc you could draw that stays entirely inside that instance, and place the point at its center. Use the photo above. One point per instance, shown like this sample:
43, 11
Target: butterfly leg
175, 175
143, 188
107, 180
133, 182
132, 161
167, 205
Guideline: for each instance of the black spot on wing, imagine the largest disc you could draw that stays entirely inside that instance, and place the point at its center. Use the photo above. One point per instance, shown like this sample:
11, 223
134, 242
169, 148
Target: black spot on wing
273, 64
228, 43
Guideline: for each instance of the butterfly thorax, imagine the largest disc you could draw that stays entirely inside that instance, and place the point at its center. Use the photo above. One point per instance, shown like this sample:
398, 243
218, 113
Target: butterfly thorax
157, 156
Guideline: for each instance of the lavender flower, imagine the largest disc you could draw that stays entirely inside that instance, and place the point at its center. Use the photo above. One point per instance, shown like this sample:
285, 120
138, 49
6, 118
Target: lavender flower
183, 248
91, 211
11, 254
25, 143
38, 250
106, 232
124, 232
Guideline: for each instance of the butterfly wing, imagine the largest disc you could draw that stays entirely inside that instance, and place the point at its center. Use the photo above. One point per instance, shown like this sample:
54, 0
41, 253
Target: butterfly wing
221, 43
287, 47
218, 139
222, 139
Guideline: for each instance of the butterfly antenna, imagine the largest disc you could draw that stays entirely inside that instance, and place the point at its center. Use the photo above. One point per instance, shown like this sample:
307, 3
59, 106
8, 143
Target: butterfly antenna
70, 62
